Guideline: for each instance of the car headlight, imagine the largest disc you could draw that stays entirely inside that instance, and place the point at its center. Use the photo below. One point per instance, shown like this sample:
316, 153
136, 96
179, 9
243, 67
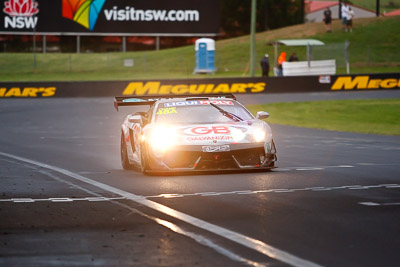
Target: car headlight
162, 138
237, 134
259, 135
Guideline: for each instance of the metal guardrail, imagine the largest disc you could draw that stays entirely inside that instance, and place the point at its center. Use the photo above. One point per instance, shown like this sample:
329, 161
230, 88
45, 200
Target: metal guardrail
309, 68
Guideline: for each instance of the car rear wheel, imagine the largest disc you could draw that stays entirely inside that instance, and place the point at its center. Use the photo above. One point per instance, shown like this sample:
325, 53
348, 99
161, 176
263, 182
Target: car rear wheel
124, 155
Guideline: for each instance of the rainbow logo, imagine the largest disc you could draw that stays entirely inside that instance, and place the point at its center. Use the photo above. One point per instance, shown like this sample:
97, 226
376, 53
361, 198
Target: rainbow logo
84, 12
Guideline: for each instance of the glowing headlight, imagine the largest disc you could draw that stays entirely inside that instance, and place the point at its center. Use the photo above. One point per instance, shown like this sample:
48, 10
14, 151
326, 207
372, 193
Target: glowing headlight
259, 135
162, 138
237, 134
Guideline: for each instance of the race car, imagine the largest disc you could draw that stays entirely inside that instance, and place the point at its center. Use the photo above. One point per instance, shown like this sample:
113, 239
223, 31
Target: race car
194, 133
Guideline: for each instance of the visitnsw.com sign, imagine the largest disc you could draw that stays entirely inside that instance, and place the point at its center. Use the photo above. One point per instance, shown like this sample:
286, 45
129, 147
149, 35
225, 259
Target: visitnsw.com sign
108, 17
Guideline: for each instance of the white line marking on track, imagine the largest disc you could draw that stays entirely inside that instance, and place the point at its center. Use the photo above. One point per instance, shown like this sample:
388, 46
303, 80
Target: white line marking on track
312, 168
392, 186
377, 164
309, 169
379, 204
357, 188
58, 199
22, 200
277, 190
391, 204
204, 241
198, 238
238, 238
246, 193
61, 199
368, 203
317, 188
175, 228
212, 194
171, 195
87, 172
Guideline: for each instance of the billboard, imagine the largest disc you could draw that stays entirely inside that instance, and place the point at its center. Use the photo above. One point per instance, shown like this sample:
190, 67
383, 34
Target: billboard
110, 17
257, 85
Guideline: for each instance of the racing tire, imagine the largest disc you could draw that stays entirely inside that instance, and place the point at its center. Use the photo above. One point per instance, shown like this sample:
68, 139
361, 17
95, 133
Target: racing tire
144, 164
124, 155
271, 165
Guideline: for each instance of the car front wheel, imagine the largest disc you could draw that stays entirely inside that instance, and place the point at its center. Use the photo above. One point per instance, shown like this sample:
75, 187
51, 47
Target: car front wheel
143, 160
124, 155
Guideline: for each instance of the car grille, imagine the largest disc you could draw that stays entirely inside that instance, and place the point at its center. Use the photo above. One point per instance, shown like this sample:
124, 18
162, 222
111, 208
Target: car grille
181, 159
214, 161
248, 157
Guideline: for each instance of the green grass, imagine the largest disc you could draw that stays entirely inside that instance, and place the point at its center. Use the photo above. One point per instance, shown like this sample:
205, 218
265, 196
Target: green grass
375, 43
376, 116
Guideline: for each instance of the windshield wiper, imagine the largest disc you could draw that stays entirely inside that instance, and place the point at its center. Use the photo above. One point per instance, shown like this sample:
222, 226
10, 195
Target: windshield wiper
227, 113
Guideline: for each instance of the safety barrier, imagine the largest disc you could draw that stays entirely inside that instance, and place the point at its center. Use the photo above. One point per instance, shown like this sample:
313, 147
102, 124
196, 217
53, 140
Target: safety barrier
323, 83
309, 68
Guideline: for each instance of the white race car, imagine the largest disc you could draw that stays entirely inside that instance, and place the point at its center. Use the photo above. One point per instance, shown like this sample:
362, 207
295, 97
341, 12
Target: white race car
194, 133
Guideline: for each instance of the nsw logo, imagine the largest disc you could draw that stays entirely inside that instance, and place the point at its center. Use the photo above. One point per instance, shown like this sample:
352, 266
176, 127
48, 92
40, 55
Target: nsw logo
20, 14
84, 12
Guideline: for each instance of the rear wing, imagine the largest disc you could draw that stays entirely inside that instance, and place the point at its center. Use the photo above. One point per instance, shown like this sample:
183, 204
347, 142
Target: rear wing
120, 101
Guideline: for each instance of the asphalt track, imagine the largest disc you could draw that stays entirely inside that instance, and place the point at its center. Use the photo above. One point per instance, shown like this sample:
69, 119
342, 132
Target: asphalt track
65, 200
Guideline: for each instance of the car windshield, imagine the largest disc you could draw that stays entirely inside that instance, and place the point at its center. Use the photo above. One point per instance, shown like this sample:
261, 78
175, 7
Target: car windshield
199, 112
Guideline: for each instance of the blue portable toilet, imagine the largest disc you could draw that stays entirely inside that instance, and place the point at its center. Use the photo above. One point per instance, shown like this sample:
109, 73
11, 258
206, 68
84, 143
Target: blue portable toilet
205, 56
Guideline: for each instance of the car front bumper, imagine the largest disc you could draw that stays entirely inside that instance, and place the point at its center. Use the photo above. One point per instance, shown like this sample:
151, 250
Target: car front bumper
194, 158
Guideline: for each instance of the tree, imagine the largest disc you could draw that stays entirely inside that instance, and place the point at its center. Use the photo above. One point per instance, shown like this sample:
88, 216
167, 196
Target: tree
281, 13
271, 14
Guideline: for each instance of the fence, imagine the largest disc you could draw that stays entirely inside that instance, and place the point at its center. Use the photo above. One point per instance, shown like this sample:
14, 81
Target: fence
364, 58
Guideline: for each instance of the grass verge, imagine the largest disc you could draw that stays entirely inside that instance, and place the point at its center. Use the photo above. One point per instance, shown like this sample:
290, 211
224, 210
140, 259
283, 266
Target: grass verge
371, 116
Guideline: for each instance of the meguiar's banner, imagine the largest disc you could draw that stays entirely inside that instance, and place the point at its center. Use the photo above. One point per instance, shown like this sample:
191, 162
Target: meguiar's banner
361, 82
110, 17
336, 83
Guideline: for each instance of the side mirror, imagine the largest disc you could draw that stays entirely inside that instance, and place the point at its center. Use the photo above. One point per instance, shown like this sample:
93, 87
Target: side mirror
262, 115
135, 119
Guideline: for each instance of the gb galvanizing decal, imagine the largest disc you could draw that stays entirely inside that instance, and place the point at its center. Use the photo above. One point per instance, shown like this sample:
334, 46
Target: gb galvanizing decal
209, 138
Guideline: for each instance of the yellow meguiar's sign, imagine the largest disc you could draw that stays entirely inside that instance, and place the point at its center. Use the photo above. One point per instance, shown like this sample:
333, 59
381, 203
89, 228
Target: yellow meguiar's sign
364, 82
28, 92
156, 88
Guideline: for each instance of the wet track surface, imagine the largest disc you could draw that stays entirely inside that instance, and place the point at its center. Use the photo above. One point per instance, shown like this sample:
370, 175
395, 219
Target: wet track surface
334, 199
